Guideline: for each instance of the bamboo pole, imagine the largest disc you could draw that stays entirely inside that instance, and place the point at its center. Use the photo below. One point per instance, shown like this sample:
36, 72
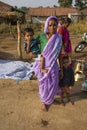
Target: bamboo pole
19, 39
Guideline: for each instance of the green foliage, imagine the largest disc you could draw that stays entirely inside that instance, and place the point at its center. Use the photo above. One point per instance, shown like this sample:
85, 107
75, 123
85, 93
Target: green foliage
55, 6
24, 9
19, 10
4, 28
75, 28
65, 3
80, 4
78, 28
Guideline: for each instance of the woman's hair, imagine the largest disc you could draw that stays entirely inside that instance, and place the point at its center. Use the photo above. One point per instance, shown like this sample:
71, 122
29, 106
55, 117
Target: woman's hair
28, 30
56, 20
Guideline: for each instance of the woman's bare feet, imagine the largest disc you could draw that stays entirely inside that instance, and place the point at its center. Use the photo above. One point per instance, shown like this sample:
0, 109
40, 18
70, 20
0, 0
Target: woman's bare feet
45, 107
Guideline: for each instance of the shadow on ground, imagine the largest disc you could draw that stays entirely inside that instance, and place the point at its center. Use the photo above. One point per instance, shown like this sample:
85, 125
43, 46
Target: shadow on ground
6, 55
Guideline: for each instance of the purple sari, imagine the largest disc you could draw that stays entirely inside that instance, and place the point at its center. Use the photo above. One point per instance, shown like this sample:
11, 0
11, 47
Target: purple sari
49, 82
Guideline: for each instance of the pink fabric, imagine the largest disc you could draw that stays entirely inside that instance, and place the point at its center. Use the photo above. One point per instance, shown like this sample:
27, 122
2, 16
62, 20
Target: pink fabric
66, 38
60, 30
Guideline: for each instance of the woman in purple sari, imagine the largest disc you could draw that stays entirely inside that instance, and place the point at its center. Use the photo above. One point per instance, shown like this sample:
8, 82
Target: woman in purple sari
46, 68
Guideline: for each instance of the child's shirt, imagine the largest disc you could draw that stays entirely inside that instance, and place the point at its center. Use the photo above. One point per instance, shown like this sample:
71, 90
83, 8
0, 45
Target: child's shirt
66, 38
68, 77
60, 30
33, 46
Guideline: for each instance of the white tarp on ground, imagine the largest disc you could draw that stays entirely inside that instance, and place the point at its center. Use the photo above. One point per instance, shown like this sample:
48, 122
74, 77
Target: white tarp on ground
17, 70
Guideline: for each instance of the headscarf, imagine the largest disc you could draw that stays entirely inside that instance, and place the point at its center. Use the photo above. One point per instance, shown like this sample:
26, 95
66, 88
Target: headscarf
47, 22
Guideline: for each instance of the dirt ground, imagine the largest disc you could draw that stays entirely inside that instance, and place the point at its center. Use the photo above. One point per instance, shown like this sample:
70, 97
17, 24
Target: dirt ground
20, 105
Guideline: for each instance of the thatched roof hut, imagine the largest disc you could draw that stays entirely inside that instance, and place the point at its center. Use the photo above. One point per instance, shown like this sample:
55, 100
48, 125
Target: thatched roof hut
8, 13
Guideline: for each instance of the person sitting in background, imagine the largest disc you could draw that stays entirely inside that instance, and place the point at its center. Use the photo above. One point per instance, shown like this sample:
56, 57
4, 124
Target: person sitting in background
30, 44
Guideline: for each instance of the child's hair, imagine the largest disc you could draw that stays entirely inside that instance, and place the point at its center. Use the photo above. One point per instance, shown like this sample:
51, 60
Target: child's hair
61, 19
68, 20
28, 30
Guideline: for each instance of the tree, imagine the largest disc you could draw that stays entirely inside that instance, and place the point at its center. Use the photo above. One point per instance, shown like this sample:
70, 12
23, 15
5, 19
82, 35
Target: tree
15, 7
24, 9
65, 3
80, 4
55, 6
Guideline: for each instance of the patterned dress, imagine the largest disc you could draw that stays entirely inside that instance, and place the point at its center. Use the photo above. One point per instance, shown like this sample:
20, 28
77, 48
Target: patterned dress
33, 46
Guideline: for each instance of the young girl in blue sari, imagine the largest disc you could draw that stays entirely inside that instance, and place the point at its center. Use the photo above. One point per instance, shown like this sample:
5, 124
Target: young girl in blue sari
46, 68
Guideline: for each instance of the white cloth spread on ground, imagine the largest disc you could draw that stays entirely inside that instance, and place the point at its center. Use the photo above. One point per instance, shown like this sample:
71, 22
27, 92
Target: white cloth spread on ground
17, 70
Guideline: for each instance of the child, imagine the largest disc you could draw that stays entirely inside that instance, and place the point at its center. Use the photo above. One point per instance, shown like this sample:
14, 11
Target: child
30, 44
67, 81
67, 47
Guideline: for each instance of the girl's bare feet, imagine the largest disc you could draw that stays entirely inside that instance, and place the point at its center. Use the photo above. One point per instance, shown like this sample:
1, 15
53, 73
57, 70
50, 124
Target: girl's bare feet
63, 103
72, 102
69, 101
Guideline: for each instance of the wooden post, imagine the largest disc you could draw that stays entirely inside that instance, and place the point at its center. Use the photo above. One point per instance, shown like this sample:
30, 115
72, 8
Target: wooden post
19, 39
